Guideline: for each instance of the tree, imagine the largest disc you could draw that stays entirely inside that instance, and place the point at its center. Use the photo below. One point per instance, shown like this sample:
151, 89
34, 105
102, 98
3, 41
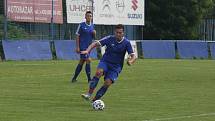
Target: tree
211, 12
174, 19
14, 31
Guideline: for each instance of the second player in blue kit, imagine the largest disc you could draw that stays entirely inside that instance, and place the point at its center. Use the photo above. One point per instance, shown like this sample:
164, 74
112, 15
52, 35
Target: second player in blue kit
85, 35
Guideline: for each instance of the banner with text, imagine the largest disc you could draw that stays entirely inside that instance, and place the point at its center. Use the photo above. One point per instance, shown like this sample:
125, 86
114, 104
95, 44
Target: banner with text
76, 10
35, 11
112, 12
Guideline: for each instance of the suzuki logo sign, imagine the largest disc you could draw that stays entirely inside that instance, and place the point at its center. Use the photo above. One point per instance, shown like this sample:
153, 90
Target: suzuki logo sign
134, 5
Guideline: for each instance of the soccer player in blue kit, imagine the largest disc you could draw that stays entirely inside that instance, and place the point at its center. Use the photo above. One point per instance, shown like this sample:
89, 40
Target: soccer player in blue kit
112, 61
85, 34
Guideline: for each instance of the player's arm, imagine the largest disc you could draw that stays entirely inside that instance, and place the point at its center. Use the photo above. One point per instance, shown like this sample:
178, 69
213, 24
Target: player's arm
94, 34
93, 45
78, 44
78, 31
101, 42
131, 59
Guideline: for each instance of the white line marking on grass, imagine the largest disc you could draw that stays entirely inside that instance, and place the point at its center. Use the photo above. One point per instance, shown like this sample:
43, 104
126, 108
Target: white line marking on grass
181, 117
32, 64
33, 76
40, 64
48, 75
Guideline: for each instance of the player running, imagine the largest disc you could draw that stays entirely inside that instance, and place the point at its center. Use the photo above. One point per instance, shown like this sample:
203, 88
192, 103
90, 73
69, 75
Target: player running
112, 61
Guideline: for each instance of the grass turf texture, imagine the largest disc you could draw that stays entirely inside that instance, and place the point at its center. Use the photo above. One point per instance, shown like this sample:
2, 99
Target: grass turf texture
150, 90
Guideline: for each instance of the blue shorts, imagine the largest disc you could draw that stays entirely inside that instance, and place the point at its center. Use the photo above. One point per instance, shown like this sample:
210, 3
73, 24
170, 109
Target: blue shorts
111, 71
84, 56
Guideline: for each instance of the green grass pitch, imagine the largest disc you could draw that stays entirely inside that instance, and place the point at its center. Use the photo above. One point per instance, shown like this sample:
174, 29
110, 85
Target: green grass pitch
150, 90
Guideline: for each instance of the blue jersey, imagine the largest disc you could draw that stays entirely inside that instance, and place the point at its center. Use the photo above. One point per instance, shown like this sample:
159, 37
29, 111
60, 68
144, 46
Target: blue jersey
85, 33
115, 51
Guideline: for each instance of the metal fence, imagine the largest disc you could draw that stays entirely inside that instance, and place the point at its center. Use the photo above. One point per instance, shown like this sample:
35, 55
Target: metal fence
42, 31
207, 29
66, 31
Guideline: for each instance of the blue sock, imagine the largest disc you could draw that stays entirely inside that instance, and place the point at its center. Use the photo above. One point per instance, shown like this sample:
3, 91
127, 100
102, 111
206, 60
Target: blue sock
92, 85
100, 92
94, 82
87, 69
77, 70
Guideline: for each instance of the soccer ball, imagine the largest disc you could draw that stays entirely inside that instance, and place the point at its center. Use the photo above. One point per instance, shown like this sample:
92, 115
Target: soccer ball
98, 105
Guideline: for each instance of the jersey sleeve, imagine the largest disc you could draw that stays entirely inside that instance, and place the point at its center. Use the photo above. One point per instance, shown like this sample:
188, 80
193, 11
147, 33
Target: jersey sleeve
129, 48
104, 41
78, 31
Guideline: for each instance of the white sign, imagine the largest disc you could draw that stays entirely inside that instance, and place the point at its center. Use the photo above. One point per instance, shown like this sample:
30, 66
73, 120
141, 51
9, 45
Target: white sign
134, 47
76, 10
103, 50
112, 12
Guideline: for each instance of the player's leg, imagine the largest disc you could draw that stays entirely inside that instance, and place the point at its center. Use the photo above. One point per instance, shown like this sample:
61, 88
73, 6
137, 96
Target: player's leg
111, 76
93, 83
102, 67
103, 89
78, 70
88, 69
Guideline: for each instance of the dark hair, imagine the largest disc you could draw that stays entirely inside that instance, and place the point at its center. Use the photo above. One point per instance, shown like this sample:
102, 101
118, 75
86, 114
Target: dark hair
88, 12
119, 26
